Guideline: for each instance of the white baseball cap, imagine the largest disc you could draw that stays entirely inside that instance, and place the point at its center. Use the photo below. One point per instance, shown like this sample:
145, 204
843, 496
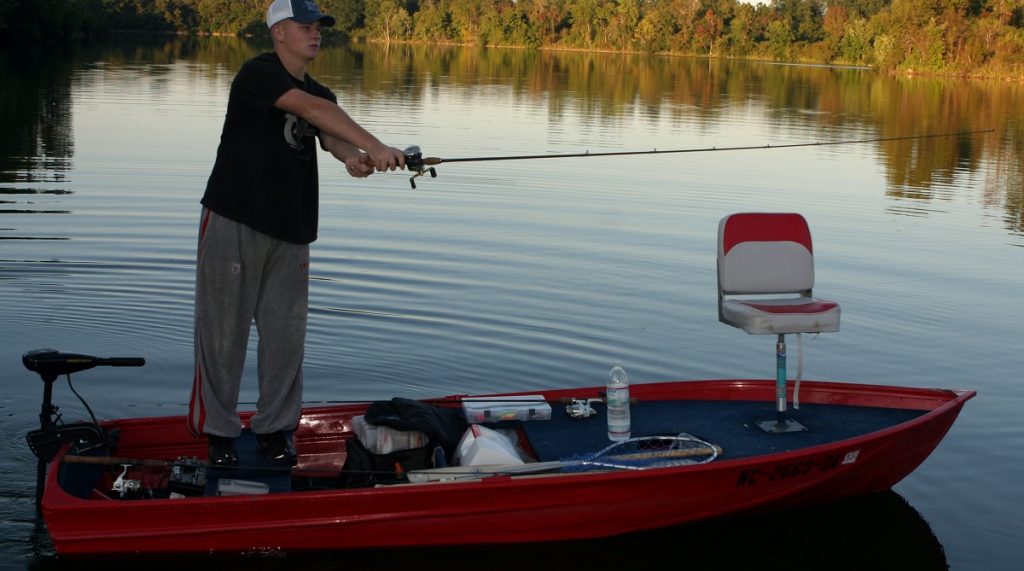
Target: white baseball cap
302, 11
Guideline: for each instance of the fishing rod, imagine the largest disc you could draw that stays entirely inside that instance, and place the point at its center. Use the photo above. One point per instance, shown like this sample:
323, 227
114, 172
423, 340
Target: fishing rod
420, 165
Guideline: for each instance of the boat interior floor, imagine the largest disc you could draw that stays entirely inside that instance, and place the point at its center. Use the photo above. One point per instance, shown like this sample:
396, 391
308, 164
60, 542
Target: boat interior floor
732, 425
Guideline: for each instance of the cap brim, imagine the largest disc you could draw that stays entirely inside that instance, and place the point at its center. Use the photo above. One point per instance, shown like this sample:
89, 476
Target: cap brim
324, 19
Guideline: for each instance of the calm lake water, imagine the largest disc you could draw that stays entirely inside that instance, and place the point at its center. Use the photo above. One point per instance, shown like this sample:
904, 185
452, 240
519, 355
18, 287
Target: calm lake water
521, 275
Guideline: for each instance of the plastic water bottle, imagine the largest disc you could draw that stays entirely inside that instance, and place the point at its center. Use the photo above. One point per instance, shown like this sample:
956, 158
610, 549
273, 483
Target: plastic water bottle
618, 404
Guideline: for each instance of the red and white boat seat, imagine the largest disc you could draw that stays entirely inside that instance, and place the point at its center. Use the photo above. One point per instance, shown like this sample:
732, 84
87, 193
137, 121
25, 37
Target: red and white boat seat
766, 276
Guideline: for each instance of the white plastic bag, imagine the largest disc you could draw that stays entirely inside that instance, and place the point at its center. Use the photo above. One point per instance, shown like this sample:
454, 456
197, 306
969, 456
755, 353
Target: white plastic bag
482, 446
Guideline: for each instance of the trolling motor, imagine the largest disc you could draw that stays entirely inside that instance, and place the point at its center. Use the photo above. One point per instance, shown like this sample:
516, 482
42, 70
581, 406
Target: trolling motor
52, 434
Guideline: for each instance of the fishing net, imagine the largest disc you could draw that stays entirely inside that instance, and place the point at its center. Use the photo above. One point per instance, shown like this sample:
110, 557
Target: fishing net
646, 452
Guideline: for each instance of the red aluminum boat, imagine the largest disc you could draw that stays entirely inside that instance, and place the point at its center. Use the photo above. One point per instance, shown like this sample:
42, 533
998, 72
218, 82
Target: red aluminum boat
855, 439
701, 449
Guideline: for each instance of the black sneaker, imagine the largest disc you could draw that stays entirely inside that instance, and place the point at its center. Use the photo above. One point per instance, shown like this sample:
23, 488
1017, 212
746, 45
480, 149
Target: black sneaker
222, 450
278, 448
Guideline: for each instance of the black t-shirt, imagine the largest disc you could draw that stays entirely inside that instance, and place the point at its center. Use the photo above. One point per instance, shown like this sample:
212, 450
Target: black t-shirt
265, 175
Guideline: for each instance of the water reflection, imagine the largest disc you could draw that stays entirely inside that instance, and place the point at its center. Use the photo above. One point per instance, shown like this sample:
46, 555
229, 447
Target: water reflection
38, 142
831, 537
36, 114
794, 103
498, 279
26, 202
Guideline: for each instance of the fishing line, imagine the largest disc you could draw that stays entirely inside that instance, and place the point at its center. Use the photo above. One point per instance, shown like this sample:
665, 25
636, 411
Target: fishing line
420, 165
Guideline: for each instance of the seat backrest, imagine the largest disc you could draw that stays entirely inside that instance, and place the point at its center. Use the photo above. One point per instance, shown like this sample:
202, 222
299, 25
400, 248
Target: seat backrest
764, 252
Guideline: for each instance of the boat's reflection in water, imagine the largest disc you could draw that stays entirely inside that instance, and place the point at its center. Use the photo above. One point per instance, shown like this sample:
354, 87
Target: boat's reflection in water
877, 532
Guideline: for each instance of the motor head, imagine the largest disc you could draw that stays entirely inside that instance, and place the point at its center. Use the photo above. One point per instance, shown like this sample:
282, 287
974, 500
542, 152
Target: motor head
50, 363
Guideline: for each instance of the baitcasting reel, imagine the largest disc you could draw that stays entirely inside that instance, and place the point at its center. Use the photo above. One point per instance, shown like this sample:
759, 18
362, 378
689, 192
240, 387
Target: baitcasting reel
414, 162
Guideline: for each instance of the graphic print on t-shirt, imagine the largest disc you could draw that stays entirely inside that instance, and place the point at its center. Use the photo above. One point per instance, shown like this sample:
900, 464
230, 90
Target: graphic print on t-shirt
295, 129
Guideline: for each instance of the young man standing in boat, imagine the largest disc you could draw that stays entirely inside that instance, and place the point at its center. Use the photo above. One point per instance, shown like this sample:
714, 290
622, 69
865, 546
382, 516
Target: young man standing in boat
260, 213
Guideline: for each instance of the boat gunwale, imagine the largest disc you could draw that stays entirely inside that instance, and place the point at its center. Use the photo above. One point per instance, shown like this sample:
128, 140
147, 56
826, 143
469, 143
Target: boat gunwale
57, 499
66, 515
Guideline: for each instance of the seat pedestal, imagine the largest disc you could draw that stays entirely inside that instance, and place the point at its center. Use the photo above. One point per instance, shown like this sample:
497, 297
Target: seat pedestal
780, 423
784, 425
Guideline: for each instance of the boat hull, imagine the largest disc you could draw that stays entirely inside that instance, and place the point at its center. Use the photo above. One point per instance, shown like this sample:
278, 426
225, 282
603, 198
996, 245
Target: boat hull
504, 508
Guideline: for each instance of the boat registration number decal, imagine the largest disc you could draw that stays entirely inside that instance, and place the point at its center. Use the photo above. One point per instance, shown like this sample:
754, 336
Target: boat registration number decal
787, 470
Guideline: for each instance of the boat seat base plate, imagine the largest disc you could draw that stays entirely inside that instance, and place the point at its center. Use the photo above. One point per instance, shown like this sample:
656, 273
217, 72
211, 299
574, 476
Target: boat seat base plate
787, 425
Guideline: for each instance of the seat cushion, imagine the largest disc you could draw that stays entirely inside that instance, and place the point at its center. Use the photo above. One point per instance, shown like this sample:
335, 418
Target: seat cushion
788, 315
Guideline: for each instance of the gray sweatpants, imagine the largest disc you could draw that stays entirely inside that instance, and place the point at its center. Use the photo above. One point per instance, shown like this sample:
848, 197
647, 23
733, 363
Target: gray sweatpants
242, 275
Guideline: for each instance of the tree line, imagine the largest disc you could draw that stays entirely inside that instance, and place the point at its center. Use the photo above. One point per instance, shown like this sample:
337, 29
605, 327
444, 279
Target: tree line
982, 38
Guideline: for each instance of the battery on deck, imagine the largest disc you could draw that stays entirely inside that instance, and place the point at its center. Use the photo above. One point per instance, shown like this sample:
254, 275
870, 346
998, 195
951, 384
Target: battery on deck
187, 478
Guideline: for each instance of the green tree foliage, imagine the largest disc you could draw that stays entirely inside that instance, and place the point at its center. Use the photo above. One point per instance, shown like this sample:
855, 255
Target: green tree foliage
388, 20
516, 29
623, 24
862, 8
433, 23
779, 37
746, 31
804, 18
654, 31
548, 17
588, 19
964, 37
50, 20
855, 43
229, 16
348, 15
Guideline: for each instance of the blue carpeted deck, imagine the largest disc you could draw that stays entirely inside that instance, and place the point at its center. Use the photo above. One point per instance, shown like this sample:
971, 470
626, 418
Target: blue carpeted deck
253, 467
729, 424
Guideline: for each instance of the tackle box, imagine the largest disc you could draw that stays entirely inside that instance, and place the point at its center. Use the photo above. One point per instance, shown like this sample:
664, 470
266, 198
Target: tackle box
497, 409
